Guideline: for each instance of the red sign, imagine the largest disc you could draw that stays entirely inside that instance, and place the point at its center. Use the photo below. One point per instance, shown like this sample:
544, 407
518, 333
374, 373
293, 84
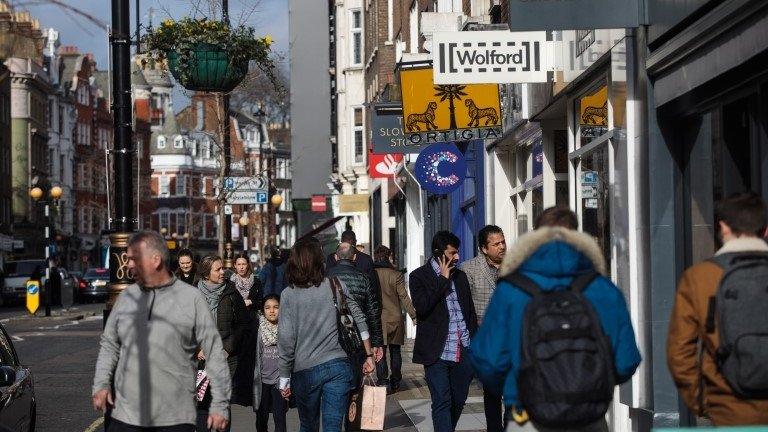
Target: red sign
319, 204
384, 165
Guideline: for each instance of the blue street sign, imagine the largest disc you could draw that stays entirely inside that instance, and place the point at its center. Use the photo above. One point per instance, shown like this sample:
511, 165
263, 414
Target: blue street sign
261, 198
229, 183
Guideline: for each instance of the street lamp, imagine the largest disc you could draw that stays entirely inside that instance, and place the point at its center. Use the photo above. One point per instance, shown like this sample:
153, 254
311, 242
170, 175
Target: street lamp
276, 200
244, 223
54, 193
163, 231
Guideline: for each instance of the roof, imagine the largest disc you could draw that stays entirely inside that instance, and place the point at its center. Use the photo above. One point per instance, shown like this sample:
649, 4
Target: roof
170, 131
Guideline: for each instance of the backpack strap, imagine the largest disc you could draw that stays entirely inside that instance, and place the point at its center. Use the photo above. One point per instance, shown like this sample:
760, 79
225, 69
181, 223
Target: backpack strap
581, 282
524, 283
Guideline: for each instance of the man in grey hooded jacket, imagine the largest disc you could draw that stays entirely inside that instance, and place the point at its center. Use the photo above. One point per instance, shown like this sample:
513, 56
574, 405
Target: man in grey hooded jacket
148, 349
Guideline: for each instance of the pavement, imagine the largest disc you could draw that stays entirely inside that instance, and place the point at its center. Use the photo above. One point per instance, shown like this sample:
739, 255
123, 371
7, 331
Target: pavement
61, 352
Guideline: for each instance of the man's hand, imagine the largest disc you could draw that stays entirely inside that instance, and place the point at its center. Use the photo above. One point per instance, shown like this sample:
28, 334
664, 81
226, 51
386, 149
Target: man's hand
445, 266
286, 393
102, 399
217, 422
378, 353
368, 366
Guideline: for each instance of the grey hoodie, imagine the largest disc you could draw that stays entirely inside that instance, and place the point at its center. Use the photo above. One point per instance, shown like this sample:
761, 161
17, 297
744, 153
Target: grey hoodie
148, 353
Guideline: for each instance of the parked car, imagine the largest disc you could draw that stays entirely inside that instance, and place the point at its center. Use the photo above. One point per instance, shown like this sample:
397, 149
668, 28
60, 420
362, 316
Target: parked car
17, 273
94, 285
18, 407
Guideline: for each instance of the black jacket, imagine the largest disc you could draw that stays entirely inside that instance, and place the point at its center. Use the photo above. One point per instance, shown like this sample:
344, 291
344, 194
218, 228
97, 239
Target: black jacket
428, 293
362, 262
362, 291
233, 321
191, 279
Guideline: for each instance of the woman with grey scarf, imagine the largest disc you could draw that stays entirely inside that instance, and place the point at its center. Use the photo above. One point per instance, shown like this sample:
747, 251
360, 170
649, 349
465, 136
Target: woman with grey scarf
231, 317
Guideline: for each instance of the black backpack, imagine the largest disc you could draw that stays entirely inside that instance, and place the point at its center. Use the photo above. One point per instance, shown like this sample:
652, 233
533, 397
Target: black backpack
566, 375
740, 311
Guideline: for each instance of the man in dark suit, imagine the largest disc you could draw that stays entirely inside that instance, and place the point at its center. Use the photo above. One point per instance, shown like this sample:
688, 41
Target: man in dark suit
447, 320
362, 261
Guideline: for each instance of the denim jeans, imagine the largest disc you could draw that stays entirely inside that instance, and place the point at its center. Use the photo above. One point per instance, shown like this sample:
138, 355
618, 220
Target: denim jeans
448, 384
118, 426
382, 368
493, 408
324, 388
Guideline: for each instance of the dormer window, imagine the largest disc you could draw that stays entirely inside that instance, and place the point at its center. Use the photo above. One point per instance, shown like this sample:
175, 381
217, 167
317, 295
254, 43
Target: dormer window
161, 142
178, 142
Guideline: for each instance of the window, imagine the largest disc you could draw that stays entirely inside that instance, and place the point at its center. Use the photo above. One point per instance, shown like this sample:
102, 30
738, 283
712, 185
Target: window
164, 221
203, 185
164, 183
358, 134
193, 147
206, 148
356, 37
161, 142
181, 222
181, 189
178, 142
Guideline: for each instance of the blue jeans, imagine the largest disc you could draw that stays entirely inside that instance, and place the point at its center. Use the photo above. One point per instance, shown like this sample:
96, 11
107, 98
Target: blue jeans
327, 384
448, 384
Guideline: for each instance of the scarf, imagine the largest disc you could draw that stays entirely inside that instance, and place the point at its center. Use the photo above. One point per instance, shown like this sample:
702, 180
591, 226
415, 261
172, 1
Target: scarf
243, 285
212, 294
268, 331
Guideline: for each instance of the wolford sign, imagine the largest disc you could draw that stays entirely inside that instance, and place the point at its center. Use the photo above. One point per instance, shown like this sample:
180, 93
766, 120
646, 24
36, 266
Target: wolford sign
491, 57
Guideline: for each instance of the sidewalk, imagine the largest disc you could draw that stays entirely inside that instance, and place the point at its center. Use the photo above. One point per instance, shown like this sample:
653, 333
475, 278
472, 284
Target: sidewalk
408, 410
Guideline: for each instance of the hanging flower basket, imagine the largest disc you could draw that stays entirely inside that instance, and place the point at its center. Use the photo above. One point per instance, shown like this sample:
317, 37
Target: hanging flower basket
209, 69
208, 55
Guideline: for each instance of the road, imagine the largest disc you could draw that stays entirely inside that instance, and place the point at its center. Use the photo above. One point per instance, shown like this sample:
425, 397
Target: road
61, 352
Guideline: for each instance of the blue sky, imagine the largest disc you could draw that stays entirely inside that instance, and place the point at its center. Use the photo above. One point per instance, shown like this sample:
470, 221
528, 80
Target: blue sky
268, 17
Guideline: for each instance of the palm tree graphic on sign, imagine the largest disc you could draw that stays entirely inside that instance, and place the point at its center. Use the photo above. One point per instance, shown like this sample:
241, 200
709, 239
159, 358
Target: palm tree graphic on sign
451, 92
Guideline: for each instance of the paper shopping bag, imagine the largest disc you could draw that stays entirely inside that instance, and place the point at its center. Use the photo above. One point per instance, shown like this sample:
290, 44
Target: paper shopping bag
374, 408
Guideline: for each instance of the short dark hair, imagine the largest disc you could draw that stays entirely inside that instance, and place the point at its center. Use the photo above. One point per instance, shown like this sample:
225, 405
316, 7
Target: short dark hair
382, 253
744, 213
185, 253
206, 264
485, 232
557, 217
349, 236
275, 297
154, 241
443, 239
306, 265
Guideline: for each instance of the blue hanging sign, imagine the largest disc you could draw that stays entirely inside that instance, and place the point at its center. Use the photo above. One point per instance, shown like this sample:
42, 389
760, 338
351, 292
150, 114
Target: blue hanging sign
441, 168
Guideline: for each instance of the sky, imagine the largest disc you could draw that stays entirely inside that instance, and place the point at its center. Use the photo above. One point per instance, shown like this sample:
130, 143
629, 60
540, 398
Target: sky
266, 16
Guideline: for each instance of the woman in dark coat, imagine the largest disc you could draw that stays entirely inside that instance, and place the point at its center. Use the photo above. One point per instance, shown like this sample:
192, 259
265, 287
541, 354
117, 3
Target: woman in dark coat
249, 287
187, 271
231, 316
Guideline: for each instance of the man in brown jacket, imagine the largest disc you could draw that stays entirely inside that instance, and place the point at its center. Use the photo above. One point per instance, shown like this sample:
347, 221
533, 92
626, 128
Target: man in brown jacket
394, 298
742, 224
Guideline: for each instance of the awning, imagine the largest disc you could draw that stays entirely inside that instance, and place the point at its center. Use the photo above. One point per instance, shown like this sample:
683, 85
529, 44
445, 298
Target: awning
320, 228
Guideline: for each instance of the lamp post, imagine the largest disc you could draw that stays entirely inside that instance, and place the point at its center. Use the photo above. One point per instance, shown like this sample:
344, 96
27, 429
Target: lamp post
54, 193
261, 115
244, 225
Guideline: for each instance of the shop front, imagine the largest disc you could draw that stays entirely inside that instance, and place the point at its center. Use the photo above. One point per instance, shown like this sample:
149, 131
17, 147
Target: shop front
708, 87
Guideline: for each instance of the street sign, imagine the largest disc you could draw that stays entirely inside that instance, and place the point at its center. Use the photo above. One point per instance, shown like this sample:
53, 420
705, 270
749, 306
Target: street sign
387, 130
245, 183
247, 197
477, 57
254, 257
227, 209
33, 296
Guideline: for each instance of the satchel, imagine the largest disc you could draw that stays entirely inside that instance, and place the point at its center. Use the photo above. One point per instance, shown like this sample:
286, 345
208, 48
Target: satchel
367, 407
349, 336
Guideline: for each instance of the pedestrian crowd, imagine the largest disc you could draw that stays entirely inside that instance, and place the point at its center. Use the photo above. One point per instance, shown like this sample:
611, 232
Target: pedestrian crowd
540, 326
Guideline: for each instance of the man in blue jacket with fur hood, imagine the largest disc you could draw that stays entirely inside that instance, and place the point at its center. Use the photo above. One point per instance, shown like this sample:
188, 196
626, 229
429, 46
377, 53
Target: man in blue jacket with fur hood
552, 257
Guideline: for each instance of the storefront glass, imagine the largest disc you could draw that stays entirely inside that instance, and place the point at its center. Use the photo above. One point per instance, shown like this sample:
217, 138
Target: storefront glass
592, 109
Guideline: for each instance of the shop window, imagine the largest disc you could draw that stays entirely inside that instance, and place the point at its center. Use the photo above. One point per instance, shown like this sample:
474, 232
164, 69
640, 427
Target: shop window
561, 151
592, 109
595, 202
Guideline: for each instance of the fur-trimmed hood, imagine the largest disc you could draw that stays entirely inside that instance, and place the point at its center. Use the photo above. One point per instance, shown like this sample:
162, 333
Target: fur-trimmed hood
554, 252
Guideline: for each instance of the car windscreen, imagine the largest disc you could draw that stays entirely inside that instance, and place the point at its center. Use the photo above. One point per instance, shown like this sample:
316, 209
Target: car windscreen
97, 274
23, 268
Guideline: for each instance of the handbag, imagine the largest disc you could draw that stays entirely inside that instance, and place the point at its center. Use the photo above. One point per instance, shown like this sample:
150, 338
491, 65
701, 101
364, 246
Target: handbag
367, 407
349, 335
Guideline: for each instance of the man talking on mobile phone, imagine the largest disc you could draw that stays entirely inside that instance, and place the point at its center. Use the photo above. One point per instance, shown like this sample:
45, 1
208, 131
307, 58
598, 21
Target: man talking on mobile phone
447, 320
